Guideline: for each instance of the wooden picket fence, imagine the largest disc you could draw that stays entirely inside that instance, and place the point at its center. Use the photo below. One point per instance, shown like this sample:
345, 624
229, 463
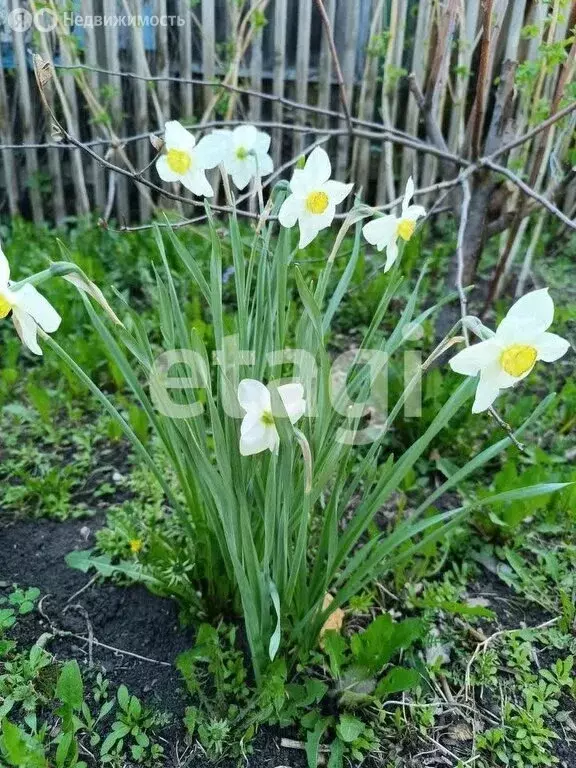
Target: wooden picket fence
116, 83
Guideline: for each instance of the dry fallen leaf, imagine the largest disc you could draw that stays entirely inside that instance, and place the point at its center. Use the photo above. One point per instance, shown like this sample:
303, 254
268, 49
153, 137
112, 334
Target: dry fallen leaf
334, 621
84, 284
43, 70
460, 732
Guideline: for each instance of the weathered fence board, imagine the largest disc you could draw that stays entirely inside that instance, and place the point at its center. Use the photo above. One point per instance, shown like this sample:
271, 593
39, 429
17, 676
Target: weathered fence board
282, 50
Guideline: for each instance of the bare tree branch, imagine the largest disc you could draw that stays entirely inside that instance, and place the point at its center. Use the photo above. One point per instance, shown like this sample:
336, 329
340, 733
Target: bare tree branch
42, 72
530, 191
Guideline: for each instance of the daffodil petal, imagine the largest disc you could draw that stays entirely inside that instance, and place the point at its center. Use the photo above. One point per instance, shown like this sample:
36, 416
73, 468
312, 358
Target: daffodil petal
250, 420
551, 347
318, 168
26, 329
312, 223
254, 396
197, 183
262, 143
534, 311
471, 360
337, 191
391, 254
289, 211
30, 301
164, 171
506, 380
408, 194
486, 393
4, 270
177, 137
256, 439
292, 396
210, 150
309, 228
245, 136
265, 164
414, 212
243, 172
300, 184
380, 231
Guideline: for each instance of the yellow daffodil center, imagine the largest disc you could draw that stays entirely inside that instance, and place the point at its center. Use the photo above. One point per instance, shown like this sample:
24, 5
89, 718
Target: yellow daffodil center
267, 419
5, 306
135, 546
405, 228
241, 153
317, 202
518, 358
178, 161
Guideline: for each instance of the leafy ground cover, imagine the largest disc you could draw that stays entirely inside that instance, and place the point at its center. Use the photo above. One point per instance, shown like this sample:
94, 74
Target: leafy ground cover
462, 656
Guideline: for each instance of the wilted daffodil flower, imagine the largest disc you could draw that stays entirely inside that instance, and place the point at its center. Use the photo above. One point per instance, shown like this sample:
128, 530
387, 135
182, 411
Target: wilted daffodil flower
245, 154
385, 231
258, 431
314, 197
509, 355
187, 162
30, 310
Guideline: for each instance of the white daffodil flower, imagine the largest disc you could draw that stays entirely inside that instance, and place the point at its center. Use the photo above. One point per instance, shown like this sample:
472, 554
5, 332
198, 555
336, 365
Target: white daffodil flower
314, 197
385, 231
187, 162
258, 431
30, 310
245, 154
509, 355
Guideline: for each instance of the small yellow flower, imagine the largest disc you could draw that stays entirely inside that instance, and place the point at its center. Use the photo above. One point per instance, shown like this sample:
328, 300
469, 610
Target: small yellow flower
135, 546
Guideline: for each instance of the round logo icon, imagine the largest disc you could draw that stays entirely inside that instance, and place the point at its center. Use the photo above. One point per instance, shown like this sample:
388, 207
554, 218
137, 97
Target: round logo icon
45, 20
20, 20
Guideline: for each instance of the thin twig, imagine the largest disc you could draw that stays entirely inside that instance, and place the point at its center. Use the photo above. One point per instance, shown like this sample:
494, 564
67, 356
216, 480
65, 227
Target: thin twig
83, 589
84, 612
530, 191
309, 107
112, 648
336, 62
466, 196
468, 168
290, 103
534, 131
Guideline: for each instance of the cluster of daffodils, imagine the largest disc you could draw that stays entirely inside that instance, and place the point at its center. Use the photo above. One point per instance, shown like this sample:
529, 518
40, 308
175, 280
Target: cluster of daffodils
500, 360
314, 195
30, 310
242, 152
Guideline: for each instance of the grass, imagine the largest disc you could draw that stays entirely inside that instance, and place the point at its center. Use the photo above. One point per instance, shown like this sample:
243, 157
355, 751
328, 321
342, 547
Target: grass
490, 656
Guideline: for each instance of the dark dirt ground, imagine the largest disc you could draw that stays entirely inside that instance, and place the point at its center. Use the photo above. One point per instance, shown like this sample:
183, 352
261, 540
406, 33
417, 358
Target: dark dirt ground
128, 618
